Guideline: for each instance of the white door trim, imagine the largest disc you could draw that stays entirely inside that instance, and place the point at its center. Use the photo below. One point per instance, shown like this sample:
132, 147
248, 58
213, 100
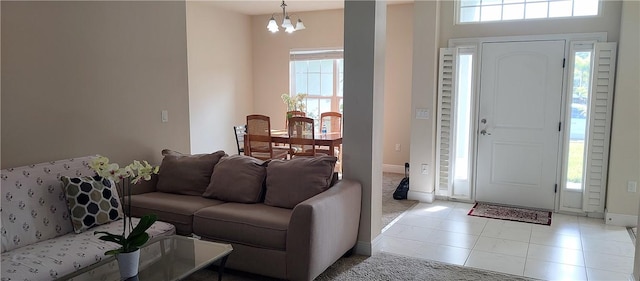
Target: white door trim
476, 42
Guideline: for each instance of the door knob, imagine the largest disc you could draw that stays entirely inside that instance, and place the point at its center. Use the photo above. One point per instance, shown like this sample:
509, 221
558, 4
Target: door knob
484, 132
483, 121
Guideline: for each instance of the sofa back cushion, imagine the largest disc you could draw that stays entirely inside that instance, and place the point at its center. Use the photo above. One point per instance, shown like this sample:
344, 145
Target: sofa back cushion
290, 182
186, 174
33, 201
237, 178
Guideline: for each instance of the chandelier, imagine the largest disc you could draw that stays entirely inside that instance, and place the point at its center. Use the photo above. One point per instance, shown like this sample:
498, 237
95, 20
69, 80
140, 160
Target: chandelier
286, 22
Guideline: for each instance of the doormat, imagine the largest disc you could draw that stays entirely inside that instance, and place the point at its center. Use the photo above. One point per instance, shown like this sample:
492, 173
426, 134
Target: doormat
510, 213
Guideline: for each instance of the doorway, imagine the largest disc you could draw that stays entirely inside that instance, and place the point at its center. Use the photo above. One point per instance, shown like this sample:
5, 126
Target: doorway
514, 142
518, 139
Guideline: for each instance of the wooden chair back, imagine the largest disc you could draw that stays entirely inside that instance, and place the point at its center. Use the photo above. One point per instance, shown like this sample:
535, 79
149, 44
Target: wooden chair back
293, 113
333, 121
258, 138
301, 137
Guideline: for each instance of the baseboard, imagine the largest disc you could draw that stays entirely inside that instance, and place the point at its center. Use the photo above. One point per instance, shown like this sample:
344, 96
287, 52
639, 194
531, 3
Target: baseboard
633, 278
377, 246
421, 196
397, 169
363, 248
620, 219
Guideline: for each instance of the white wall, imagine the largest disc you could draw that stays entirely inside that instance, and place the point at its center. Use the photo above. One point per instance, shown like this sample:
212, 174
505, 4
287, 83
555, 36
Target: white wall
423, 95
271, 56
608, 21
397, 84
364, 70
434, 24
220, 75
325, 29
84, 78
624, 163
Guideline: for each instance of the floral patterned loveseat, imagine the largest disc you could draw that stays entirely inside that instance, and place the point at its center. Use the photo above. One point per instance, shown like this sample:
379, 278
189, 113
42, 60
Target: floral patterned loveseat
38, 239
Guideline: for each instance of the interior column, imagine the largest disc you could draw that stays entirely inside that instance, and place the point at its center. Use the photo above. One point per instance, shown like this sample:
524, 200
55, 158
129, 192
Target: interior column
364, 55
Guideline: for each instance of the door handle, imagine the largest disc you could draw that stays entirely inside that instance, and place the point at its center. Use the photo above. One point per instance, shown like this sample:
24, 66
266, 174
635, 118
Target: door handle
484, 132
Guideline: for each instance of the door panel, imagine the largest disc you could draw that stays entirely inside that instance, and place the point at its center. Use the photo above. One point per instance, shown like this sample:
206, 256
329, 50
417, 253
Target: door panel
519, 114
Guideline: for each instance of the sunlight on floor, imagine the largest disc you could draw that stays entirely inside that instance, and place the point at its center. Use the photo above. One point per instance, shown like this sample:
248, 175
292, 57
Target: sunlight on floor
571, 248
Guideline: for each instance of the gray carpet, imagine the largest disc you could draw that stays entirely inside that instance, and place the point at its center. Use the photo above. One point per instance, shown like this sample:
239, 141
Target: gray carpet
380, 267
392, 208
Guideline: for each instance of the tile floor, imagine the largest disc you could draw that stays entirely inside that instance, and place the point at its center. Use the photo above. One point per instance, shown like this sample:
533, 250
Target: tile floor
572, 248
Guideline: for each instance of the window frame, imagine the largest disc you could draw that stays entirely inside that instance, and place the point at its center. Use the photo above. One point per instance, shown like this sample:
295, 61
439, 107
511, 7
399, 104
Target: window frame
337, 57
575, 47
458, 12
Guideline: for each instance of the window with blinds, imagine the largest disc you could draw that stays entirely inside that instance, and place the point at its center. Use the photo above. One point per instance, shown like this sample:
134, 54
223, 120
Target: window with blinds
320, 75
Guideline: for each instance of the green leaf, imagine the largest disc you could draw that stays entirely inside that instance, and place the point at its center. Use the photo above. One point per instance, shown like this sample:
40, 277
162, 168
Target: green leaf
144, 224
110, 237
113, 252
139, 240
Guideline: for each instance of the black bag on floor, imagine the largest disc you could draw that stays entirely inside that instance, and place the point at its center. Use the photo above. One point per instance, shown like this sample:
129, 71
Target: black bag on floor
403, 187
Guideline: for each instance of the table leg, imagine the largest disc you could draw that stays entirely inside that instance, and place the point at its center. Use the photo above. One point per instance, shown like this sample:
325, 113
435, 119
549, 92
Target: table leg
332, 149
221, 267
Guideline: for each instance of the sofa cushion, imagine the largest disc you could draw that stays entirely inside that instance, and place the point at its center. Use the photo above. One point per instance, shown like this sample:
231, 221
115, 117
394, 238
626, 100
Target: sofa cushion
33, 202
60, 256
290, 182
237, 178
186, 174
172, 208
91, 202
256, 225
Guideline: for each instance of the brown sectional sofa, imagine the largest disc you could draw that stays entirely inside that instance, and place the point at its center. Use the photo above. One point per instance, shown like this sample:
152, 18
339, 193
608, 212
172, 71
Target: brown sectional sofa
269, 237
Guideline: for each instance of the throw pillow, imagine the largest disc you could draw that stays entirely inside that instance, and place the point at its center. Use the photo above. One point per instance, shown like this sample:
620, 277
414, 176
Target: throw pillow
91, 201
186, 174
290, 182
237, 178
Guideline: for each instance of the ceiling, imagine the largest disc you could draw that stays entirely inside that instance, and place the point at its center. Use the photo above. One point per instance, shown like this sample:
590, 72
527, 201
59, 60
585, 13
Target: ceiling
263, 7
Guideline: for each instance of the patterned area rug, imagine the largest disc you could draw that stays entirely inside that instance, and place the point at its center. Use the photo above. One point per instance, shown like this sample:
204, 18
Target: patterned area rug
510, 213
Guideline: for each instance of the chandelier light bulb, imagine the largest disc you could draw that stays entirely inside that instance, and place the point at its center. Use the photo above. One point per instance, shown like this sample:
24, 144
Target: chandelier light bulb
272, 25
286, 23
300, 25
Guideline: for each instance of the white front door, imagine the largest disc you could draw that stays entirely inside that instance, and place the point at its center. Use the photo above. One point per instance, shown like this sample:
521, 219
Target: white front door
518, 123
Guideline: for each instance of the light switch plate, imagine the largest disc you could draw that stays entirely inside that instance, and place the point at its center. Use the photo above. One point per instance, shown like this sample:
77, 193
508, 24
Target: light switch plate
632, 186
165, 116
424, 169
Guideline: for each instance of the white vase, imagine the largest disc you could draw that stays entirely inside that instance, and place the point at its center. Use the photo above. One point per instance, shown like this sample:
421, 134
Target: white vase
128, 264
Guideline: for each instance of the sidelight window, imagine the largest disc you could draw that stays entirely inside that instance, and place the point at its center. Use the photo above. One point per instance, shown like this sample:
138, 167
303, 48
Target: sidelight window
577, 115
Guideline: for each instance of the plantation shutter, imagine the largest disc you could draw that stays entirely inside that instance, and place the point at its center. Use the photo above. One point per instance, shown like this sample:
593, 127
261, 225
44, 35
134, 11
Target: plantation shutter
600, 110
445, 127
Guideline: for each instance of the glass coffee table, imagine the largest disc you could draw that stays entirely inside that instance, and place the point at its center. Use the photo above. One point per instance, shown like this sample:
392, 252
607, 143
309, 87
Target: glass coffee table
165, 258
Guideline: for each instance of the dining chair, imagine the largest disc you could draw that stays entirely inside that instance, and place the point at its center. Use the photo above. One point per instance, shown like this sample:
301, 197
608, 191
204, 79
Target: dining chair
258, 142
301, 137
240, 131
293, 113
331, 122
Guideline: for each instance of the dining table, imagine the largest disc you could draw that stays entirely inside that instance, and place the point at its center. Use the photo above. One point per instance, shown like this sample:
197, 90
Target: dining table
332, 140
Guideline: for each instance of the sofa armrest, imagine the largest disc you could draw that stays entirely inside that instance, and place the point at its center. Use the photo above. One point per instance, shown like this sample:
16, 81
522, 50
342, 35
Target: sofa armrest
322, 229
